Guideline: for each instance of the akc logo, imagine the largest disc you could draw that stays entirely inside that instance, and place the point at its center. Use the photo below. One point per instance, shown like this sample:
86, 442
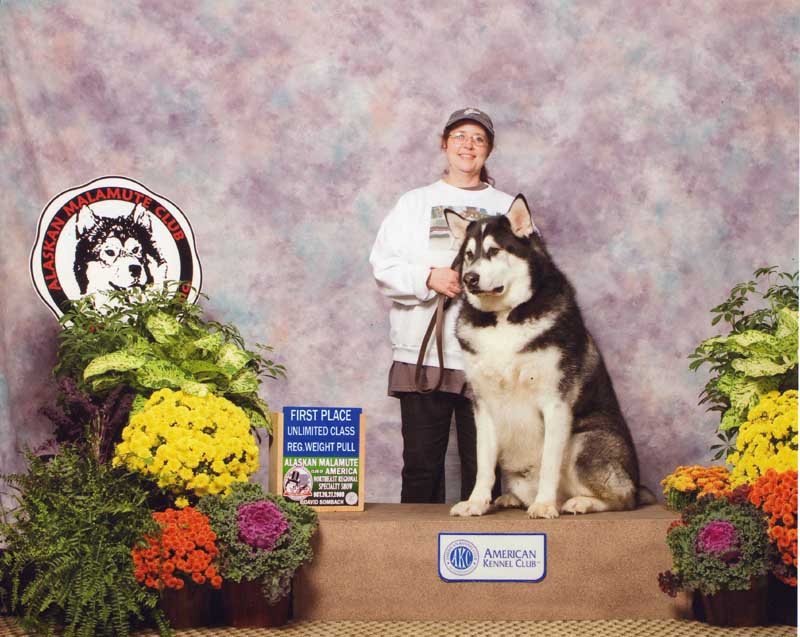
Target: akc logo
461, 557
111, 234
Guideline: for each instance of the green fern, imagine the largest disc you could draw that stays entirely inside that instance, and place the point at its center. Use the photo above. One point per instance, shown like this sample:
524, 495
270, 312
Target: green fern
68, 549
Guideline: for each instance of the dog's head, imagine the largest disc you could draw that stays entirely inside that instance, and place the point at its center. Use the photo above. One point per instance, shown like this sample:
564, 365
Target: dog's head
115, 252
502, 257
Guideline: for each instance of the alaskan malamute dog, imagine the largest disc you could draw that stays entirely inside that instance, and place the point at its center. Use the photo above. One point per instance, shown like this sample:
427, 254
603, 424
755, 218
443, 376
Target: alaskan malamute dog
115, 253
545, 408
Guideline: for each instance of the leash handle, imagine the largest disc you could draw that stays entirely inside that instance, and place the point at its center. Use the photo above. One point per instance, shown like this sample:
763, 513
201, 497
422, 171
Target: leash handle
436, 324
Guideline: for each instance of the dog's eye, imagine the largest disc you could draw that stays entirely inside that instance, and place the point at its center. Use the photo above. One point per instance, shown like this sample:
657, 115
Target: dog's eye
469, 254
492, 252
110, 253
136, 250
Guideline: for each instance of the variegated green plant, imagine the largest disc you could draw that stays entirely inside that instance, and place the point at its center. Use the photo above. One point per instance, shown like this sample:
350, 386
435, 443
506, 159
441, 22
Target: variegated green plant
759, 354
152, 339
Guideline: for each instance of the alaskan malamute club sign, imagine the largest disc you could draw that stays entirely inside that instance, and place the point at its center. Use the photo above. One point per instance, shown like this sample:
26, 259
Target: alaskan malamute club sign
111, 234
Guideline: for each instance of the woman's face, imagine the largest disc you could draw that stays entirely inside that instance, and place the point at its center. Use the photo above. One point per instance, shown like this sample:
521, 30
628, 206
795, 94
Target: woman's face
467, 157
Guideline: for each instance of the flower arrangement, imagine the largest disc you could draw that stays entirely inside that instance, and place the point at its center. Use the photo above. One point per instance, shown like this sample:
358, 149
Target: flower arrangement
197, 444
185, 548
68, 559
261, 536
686, 484
768, 439
719, 543
776, 494
736, 526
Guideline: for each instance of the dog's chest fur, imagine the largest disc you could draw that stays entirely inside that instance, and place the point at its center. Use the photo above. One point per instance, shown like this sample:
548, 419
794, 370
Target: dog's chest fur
513, 384
498, 361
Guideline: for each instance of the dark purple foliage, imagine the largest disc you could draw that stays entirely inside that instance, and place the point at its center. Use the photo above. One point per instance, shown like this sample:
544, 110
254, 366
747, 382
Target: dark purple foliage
77, 412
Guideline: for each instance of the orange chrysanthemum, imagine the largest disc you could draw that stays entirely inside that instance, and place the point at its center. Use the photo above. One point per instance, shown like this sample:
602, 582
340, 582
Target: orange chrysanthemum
703, 480
182, 550
776, 494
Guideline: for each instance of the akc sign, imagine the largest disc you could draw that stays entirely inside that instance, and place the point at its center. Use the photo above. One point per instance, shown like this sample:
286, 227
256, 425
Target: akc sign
492, 557
111, 234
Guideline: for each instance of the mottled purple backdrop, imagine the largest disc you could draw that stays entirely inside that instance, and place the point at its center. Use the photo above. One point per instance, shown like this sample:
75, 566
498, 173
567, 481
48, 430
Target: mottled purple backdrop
656, 142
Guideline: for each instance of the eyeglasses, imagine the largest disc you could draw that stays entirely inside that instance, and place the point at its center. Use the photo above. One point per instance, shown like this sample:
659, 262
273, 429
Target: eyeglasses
478, 140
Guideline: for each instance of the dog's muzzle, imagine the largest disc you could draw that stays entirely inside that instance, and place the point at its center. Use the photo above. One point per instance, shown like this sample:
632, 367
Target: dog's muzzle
473, 285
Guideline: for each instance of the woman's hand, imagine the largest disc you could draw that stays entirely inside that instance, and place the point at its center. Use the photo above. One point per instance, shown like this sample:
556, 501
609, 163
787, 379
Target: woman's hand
444, 281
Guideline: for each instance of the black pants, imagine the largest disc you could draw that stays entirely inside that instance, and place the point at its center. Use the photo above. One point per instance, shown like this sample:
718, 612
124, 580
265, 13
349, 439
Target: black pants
426, 431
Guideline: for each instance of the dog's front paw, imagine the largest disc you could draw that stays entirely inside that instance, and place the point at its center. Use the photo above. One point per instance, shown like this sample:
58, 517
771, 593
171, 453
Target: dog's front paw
578, 504
466, 508
508, 501
545, 510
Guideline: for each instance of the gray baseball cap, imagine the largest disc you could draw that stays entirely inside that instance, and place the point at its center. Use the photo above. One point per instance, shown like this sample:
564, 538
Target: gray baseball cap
474, 115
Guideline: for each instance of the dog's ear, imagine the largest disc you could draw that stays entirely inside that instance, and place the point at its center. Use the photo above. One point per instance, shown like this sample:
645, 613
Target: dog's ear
519, 215
456, 223
85, 221
141, 217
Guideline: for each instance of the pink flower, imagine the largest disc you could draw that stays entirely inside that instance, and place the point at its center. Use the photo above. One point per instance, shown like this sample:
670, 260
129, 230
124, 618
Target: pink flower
261, 524
718, 537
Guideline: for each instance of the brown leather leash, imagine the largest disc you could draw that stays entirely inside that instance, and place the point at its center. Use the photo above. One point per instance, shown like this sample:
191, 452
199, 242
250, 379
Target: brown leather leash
436, 325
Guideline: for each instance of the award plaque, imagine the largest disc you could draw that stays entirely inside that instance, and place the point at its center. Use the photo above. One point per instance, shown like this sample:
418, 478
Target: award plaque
317, 457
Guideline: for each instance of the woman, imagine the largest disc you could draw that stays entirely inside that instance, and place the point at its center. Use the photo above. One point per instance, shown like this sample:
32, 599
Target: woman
411, 262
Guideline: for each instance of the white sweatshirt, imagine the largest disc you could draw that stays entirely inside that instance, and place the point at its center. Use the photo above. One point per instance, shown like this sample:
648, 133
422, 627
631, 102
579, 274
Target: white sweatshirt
412, 239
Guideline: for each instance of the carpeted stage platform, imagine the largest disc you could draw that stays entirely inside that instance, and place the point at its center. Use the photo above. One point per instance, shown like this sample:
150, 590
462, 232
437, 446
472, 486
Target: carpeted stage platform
382, 565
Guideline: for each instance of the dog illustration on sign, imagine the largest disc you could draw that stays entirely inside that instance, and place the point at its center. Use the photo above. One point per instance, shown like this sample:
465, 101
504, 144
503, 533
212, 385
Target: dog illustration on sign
116, 253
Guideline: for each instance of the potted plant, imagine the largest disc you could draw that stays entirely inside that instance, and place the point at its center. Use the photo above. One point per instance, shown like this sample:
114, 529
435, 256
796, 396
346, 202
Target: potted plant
187, 444
263, 540
720, 550
67, 552
149, 339
757, 356
686, 484
106, 416
178, 561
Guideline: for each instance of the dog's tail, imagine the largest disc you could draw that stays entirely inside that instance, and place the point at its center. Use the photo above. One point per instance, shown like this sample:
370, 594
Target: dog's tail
645, 496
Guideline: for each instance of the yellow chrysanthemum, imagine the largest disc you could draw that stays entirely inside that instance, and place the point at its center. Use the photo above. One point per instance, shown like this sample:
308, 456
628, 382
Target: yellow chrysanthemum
768, 440
176, 440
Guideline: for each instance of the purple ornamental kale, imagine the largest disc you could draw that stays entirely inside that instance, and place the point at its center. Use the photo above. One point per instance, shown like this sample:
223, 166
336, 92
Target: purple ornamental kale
261, 524
720, 538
